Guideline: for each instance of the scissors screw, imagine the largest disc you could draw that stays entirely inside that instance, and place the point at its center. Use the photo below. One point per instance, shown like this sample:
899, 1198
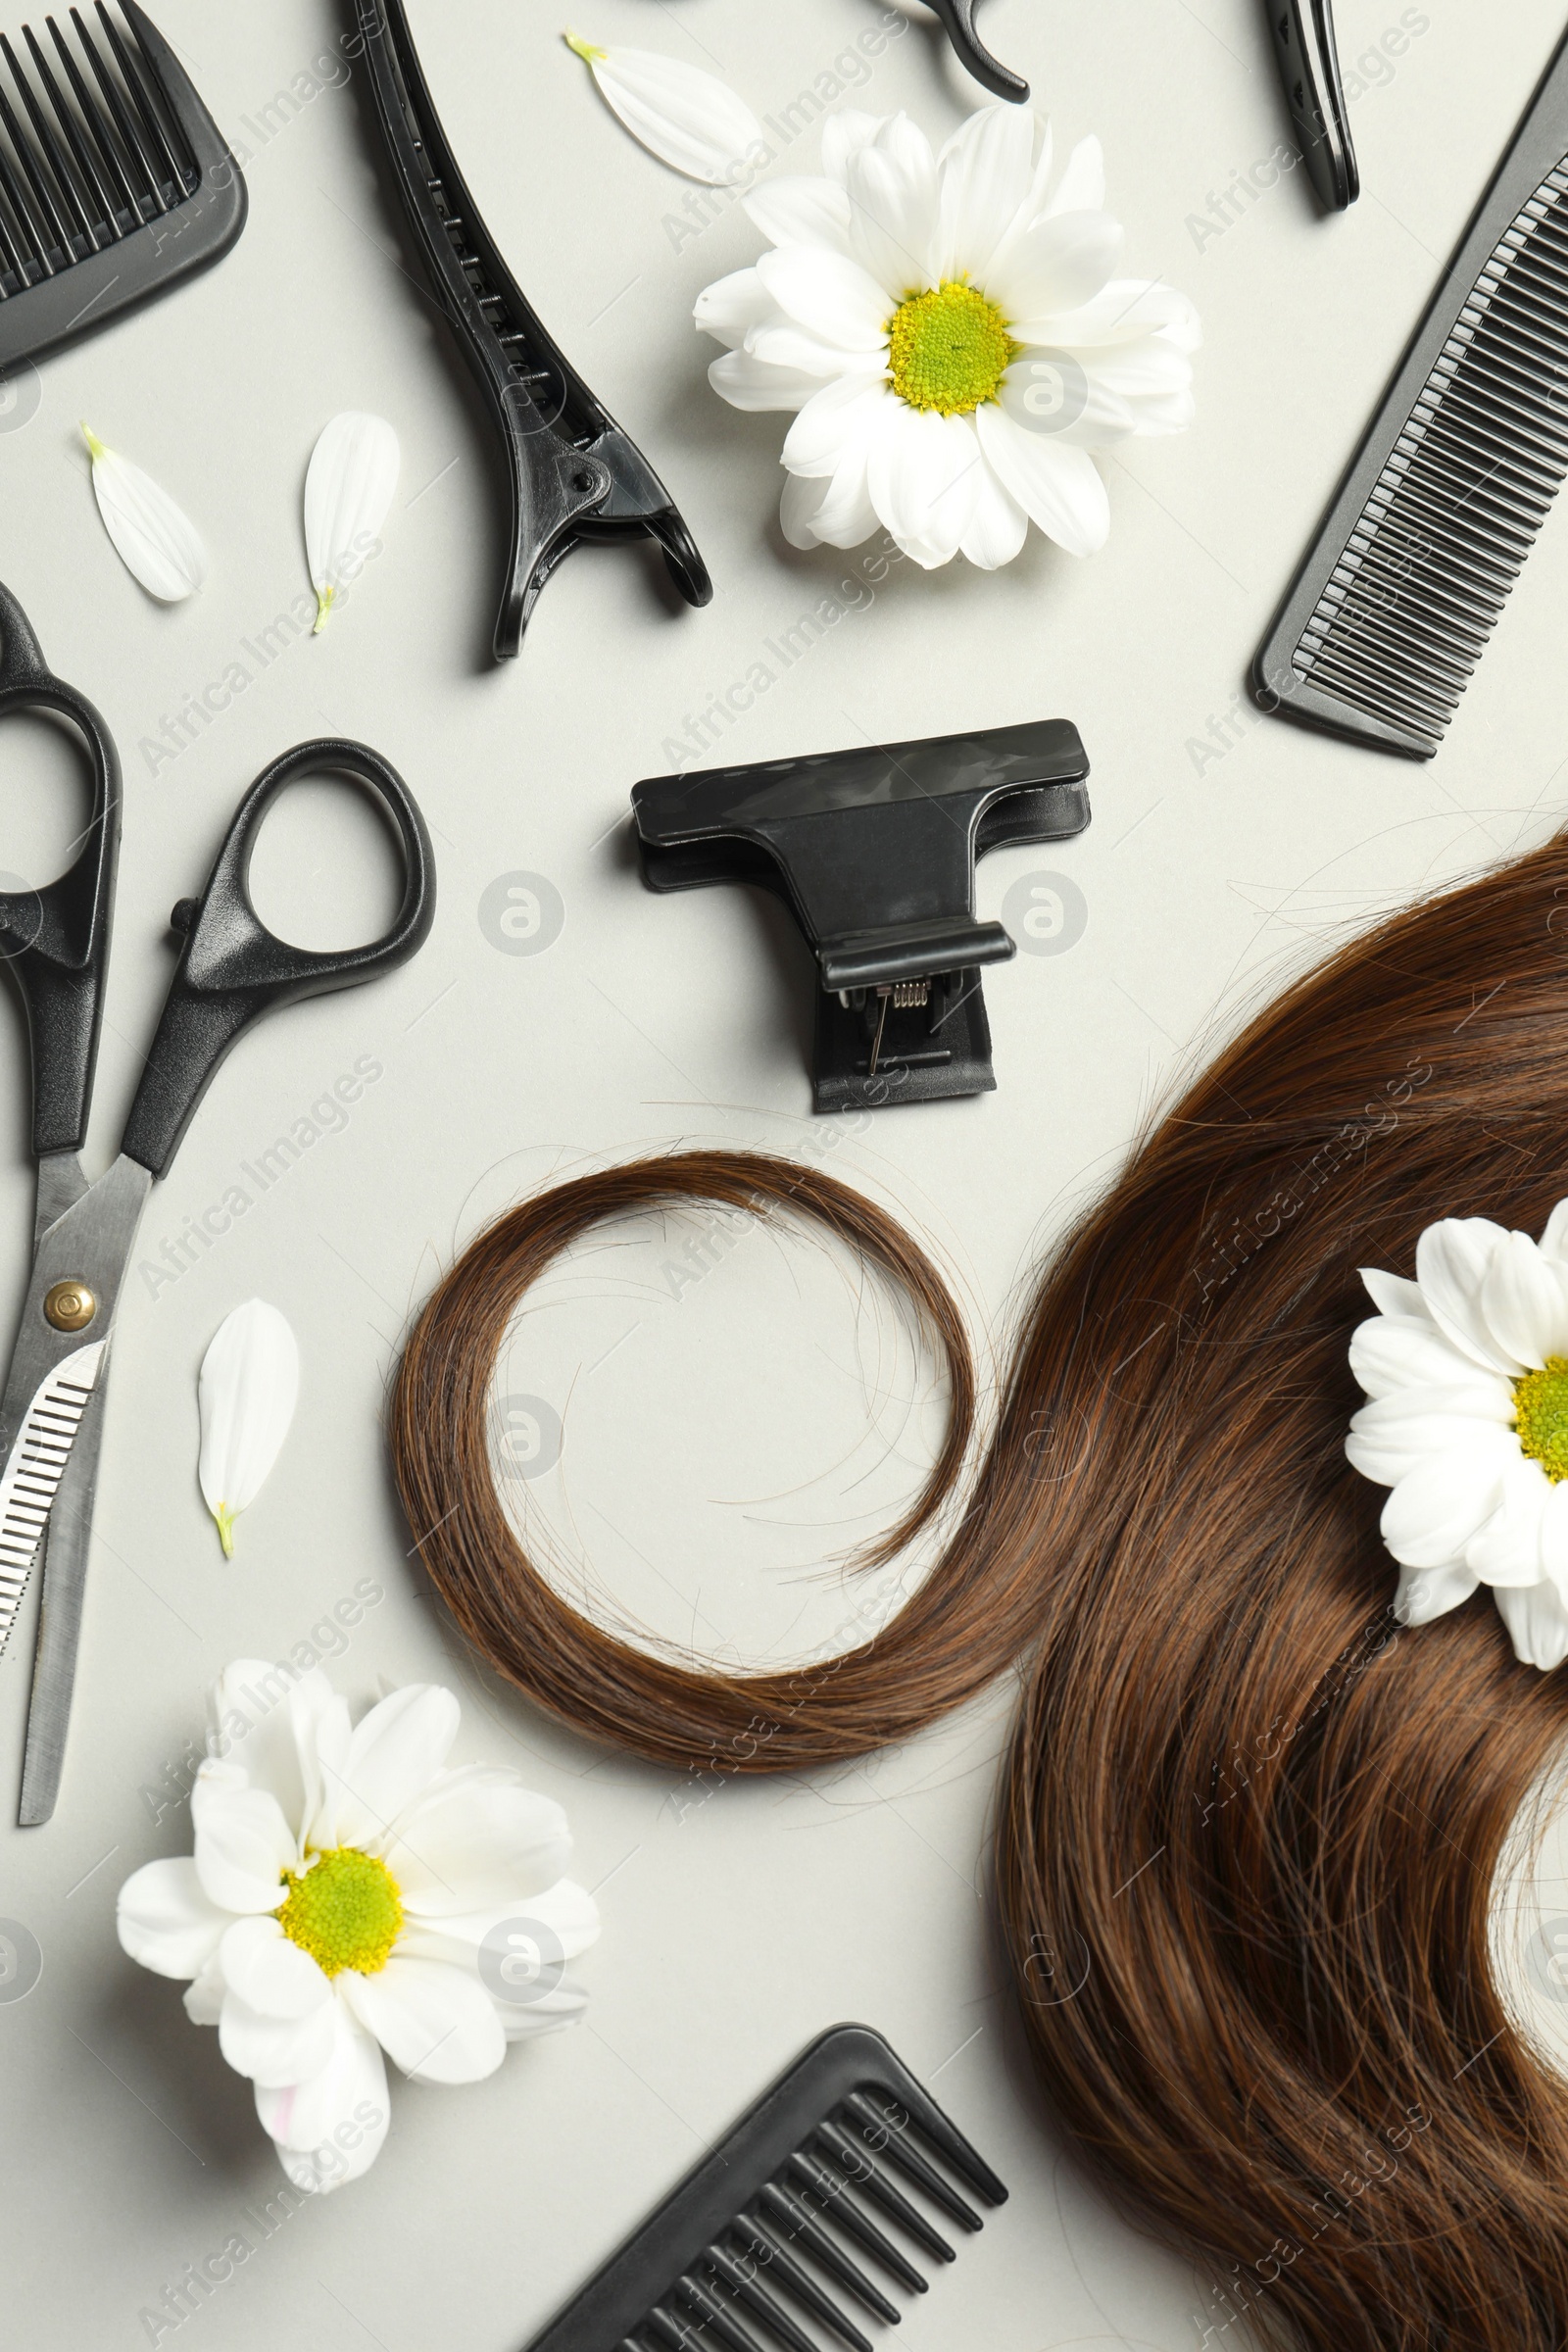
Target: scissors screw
69, 1307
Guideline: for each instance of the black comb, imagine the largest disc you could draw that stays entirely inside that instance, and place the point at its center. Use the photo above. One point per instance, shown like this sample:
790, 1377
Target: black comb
114, 181
1393, 607
574, 474
775, 2237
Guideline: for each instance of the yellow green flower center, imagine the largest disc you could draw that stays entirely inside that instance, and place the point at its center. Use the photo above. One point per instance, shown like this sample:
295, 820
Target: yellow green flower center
948, 349
1540, 1415
345, 1911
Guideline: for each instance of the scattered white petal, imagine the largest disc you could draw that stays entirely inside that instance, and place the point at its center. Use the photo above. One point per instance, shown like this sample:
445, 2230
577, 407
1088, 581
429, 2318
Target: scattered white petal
690, 120
249, 1386
348, 489
156, 540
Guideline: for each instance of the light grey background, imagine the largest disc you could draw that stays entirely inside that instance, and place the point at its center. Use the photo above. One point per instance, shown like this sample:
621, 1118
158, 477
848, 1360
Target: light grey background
748, 1429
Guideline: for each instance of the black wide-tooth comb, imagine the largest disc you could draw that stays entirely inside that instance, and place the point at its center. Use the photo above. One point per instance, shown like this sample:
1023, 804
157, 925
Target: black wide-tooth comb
766, 2242
1393, 607
114, 181
575, 475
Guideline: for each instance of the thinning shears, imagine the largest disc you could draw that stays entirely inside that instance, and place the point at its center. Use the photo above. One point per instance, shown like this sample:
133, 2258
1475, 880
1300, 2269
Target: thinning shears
230, 970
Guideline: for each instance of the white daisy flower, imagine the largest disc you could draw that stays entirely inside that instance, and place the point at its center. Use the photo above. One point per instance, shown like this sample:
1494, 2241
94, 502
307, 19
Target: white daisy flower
951, 337
1467, 1372
350, 1895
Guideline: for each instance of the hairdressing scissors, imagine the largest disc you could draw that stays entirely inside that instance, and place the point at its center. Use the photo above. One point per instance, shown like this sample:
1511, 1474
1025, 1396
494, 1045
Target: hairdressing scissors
232, 970
957, 19
1309, 67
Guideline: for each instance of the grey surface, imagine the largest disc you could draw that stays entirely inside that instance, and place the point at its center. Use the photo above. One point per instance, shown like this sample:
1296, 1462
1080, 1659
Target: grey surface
726, 1444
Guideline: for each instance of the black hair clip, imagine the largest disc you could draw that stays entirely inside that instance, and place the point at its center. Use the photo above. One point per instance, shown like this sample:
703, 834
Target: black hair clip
958, 17
1309, 67
873, 852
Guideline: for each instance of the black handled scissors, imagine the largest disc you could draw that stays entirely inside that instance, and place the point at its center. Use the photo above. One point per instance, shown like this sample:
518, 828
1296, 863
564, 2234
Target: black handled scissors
957, 19
232, 970
1309, 67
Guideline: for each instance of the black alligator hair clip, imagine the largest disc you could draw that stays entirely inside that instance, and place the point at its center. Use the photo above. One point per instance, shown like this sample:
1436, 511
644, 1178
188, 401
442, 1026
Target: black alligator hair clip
1309, 67
574, 474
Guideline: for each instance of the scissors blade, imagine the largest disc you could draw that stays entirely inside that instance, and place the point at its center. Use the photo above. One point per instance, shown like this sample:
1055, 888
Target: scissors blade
64, 1572
52, 1371
35, 1467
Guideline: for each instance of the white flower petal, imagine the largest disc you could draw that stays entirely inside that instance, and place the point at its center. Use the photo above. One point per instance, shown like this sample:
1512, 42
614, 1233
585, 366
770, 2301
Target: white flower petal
204, 1994
1057, 487
1506, 1551
984, 177
1391, 1295
831, 295
1451, 1262
437, 2023
1169, 412
922, 472
565, 1910
1122, 311
243, 1844
1436, 1509
1056, 265
1523, 1299
277, 2050
799, 502
348, 489
250, 1725
780, 343
1082, 186
1426, 1594
1554, 1240
156, 540
1051, 393
732, 305
838, 418
343, 2108
690, 120
800, 211
998, 526
844, 134
1147, 369
1395, 1351
250, 1384
1555, 1537
269, 1974
893, 207
747, 382
1537, 1620
477, 1838
1388, 1451
167, 1921
846, 515
393, 1756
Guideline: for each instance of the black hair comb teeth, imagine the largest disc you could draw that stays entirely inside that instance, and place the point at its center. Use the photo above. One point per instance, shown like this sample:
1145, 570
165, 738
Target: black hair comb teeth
114, 181
741, 2255
574, 474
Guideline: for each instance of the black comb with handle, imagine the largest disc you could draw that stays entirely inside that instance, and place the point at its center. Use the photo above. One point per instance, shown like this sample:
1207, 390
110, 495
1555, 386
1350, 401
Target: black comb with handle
116, 183
574, 474
792, 2225
1392, 609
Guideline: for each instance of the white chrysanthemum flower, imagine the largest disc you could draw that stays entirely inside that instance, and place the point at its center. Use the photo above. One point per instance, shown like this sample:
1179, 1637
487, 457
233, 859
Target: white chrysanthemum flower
1467, 1372
350, 1895
951, 338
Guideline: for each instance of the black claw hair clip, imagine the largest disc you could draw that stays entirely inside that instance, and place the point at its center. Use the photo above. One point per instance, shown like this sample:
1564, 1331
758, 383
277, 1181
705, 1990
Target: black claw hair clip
958, 17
